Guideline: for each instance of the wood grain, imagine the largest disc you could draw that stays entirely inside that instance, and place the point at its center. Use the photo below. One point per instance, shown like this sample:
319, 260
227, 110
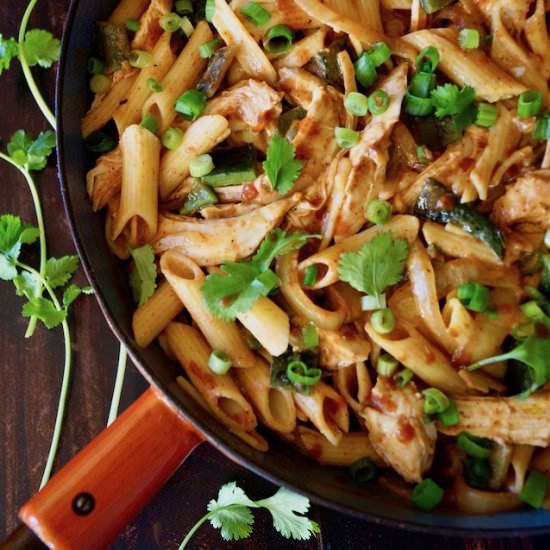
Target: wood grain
30, 377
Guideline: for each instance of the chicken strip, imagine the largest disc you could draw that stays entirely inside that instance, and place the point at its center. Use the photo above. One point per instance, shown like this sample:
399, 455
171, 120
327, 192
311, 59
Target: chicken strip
505, 419
395, 420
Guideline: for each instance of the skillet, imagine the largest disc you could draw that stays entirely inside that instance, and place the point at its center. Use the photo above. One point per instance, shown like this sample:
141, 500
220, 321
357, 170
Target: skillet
91, 499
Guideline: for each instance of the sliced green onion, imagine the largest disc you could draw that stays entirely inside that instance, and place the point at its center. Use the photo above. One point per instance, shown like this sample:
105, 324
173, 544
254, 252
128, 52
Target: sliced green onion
529, 103
533, 311
402, 378
310, 276
365, 70
288, 118
534, 489
431, 6
256, 13
417, 106
378, 102
278, 39
486, 114
132, 25
378, 211
547, 238
100, 142
386, 365
299, 373
356, 103
427, 60
210, 10
208, 48
190, 104
468, 39
449, 417
383, 320
362, 470
372, 303
542, 128
139, 59
477, 472
149, 122
266, 282
379, 53
423, 154
170, 22
219, 362
310, 336
96, 66
171, 138
478, 447
474, 296
100, 84
201, 195
427, 494
186, 26
346, 138
154, 85
183, 7
435, 401
422, 84
200, 166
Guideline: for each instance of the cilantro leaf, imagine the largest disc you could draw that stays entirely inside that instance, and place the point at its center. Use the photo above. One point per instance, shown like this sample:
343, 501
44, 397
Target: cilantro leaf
44, 310
29, 152
27, 284
8, 51
144, 275
377, 265
533, 352
241, 283
281, 168
41, 48
72, 292
449, 100
284, 506
13, 233
231, 513
60, 270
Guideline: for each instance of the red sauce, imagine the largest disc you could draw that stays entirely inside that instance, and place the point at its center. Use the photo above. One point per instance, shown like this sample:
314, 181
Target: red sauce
348, 332
446, 202
380, 403
331, 407
315, 452
467, 164
206, 378
405, 432
429, 357
248, 192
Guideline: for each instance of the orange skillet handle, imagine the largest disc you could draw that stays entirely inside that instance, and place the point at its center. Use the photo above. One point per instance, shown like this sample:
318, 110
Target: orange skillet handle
88, 503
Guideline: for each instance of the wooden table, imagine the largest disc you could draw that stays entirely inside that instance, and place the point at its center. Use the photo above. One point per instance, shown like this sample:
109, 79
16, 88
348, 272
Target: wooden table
30, 377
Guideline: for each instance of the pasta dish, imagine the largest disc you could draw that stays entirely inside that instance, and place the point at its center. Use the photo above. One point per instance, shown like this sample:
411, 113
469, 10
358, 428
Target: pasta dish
336, 217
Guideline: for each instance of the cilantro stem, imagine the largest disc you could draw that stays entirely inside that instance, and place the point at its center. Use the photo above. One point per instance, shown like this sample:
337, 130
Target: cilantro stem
197, 525
43, 106
41, 230
61, 406
119, 382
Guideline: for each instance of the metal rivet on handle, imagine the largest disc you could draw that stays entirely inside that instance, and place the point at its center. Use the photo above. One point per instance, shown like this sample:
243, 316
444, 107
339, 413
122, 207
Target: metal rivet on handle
83, 504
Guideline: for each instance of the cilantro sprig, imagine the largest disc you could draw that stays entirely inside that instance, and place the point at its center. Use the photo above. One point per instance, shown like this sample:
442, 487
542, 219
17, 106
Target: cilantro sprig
377, 265
280, 166
231, 513
448, 100
241, 283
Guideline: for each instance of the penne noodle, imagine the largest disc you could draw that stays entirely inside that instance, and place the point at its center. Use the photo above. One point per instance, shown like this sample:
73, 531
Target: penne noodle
138, 209
354, 384
186, 277
150, 319
218, 390
128, 9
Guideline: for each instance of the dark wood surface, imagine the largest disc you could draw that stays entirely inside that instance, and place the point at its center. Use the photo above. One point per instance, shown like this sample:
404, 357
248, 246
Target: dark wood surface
30, 377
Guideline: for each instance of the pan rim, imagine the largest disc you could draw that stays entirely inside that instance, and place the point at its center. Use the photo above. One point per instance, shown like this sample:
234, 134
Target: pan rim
148, 374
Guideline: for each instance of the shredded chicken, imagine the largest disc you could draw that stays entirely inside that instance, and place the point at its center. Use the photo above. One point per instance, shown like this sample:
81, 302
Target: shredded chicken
505, 419
342, 348
526, 200
395, 420
103, 181
149, 29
